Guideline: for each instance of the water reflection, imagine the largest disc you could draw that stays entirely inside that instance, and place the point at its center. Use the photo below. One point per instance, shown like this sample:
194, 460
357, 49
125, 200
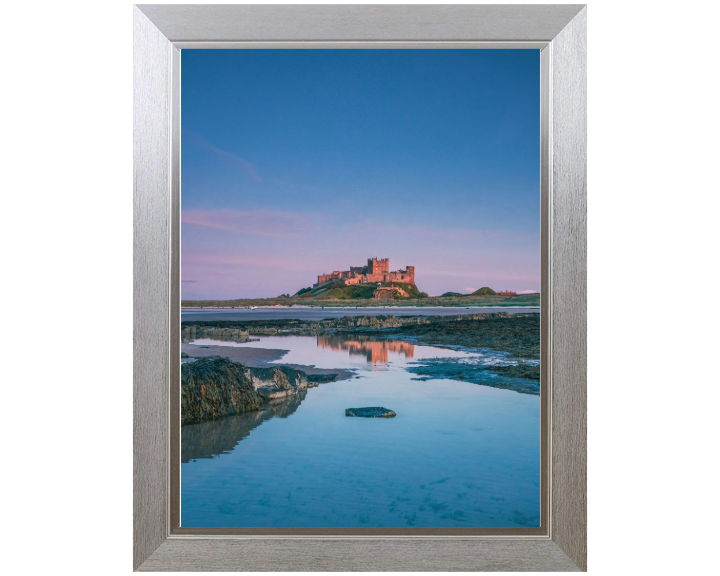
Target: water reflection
210, 439
456, 455
376, 351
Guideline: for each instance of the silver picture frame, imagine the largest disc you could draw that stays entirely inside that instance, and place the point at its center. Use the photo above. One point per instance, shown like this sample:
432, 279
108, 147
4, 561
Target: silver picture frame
160, 33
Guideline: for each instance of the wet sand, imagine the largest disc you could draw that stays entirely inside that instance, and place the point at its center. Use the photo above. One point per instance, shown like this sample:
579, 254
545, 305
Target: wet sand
258, 358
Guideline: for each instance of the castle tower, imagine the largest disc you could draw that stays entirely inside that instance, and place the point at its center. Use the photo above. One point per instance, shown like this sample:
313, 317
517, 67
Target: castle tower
410, 271
378, 266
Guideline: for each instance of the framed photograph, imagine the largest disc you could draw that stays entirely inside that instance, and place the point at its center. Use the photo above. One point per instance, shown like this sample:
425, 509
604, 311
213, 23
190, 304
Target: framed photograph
360, 288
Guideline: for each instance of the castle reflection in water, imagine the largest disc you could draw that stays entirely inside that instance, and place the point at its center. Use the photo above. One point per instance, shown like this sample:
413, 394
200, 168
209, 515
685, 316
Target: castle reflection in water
376, 351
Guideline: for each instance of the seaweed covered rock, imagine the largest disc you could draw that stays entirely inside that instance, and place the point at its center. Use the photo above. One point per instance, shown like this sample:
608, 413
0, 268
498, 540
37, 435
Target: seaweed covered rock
520, 370
315, 379
370, 412
214, 387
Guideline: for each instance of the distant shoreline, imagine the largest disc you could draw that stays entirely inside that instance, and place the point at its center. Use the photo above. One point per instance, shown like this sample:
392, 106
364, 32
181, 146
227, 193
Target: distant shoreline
489, 301
353, 307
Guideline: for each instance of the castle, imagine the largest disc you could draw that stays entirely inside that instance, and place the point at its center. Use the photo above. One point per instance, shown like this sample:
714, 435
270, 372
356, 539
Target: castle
376, 270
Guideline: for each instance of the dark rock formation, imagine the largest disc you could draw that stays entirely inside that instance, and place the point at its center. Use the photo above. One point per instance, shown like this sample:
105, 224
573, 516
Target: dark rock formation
315, 379
374, 412
482, 325
516, 334
519, 370
215, 387
521, 377
190, 333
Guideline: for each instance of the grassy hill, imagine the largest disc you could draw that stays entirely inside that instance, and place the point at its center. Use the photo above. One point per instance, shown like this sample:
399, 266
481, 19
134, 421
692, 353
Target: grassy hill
341, 291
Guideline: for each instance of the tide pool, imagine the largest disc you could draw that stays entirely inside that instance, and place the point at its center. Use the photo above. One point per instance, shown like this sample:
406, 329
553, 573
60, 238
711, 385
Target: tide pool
456, 455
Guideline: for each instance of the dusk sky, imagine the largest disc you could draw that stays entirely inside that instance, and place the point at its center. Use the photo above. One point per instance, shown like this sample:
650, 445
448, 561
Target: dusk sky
300, 162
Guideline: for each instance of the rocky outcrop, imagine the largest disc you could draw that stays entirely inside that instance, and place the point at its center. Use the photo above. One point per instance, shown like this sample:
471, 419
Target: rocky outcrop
190, 333
273, 383
520, 377
389, 293
214, 387
265, 331
315, 379
374, 412
347, 323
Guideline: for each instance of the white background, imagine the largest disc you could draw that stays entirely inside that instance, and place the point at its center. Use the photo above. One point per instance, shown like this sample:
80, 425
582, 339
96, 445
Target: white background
66, 233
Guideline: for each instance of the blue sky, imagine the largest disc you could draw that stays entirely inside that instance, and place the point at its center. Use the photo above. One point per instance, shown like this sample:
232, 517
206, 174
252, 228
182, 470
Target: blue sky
299, 162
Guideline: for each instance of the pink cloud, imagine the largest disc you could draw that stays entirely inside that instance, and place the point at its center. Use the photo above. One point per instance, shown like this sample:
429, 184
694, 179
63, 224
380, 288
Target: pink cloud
255, 222
234, 261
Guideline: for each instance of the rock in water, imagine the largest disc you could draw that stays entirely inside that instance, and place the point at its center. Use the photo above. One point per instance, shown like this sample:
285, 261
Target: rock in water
375, 412
321, 378
214, 387
278, 382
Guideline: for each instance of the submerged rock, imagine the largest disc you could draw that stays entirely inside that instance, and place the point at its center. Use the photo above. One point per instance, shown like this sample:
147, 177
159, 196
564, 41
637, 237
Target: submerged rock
375, 412
521, 376
321, 378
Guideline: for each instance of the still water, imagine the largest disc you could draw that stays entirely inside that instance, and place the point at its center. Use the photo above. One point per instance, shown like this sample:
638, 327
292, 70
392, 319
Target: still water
456, 455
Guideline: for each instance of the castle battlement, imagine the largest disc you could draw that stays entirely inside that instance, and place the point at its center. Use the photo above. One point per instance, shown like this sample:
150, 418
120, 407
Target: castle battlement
376, 270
